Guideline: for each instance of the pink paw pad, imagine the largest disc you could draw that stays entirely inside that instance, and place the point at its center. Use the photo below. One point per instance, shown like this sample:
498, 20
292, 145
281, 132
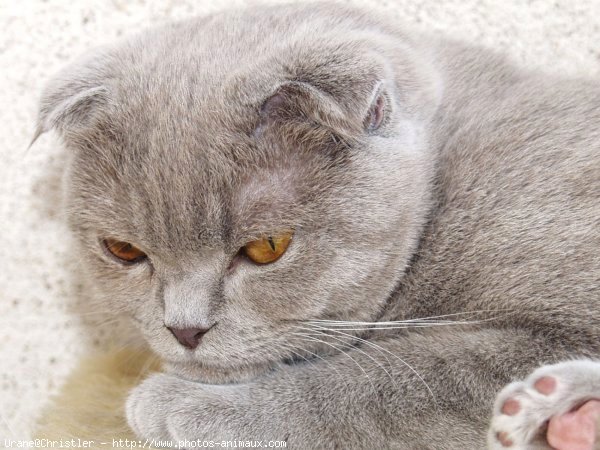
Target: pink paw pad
503, 438
545, 385
577, 429
511, 407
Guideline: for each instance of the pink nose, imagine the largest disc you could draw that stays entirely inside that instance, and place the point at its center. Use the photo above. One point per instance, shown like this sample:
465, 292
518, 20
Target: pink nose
189, 337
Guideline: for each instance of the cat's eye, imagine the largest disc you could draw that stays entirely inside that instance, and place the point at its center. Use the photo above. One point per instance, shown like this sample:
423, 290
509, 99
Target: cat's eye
124, 251
268, 249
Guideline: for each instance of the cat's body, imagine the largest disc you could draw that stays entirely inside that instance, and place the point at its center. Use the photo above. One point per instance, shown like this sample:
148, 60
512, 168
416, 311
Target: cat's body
421, 178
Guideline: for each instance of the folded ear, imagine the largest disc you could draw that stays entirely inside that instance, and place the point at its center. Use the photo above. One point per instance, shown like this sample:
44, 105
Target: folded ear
73, 98
343, 100
298, 101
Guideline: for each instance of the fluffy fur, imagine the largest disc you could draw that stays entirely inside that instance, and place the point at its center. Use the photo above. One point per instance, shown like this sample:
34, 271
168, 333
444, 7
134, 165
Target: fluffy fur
474, 205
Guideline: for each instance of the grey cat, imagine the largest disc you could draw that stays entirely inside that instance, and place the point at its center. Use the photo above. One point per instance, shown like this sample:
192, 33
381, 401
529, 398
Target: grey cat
335, 233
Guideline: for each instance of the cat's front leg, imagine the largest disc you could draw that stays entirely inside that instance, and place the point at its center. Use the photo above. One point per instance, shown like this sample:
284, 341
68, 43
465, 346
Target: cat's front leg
283, 406
172, 412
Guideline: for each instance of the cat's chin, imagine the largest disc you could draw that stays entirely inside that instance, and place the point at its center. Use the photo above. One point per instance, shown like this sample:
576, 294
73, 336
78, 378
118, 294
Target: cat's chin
213, 374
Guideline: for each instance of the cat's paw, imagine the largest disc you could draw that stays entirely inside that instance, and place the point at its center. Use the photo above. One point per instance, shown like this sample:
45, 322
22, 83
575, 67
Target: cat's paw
173, 410
554, 407
148, 406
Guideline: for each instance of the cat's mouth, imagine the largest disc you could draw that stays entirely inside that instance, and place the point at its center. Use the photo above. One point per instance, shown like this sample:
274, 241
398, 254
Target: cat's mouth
206, 355
215, 374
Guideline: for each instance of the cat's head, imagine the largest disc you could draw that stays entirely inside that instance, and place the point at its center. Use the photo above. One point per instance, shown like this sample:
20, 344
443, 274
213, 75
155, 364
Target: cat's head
243, 174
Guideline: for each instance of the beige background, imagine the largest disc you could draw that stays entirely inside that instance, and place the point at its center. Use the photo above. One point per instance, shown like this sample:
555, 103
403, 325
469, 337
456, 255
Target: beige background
40, 340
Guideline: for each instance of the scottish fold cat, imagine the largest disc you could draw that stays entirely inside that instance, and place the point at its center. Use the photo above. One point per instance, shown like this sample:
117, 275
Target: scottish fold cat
336, 233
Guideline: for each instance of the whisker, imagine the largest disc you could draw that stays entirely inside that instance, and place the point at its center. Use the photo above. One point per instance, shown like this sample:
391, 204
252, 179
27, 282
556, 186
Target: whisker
381, 349
374, 326
411, 321
291, 349
313, 339
396, 325
339, 374
355, 348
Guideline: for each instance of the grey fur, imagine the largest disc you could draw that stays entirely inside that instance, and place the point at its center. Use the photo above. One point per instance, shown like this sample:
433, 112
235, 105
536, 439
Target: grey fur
480, 192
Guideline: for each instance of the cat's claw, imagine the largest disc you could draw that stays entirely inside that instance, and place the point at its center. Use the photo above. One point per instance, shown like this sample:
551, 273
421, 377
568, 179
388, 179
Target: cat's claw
555, 407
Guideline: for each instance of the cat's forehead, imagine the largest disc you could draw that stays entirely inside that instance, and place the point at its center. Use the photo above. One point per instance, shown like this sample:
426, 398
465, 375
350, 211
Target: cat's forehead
201, 171
198, 187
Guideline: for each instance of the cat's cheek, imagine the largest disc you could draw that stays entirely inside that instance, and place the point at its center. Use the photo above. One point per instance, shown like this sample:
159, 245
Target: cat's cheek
127, 286
143, 307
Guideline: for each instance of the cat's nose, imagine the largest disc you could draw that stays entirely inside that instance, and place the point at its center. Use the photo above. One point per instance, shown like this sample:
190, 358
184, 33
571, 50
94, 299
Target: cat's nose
189, 337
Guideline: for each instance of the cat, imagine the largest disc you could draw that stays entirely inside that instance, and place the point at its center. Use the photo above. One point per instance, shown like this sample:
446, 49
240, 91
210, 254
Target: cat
333, 232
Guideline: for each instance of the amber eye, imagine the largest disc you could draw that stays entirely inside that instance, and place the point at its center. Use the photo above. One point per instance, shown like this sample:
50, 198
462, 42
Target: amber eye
124, 251
269, 249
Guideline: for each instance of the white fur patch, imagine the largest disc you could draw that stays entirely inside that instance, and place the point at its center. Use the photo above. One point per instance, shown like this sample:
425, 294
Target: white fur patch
576, 382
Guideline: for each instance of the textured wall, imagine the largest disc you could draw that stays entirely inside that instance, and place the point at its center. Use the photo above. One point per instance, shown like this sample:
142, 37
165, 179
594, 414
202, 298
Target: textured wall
40, 339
